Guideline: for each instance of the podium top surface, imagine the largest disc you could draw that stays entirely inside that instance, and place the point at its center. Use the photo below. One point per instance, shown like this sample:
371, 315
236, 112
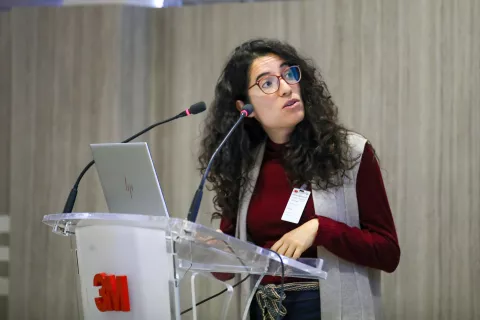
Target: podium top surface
70, 221
197, 247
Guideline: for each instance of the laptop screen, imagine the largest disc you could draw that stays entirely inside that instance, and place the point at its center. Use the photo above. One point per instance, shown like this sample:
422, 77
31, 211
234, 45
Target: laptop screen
128, 178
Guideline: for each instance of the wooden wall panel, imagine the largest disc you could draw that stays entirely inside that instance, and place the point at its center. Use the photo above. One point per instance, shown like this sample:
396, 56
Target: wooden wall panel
5, 110
5, 103
403, 73
65, 96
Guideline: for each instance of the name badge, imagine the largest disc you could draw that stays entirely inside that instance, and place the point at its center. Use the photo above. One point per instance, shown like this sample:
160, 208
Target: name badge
296, 204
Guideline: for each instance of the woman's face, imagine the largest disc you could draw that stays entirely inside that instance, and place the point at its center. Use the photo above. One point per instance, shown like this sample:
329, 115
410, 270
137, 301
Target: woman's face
274, 91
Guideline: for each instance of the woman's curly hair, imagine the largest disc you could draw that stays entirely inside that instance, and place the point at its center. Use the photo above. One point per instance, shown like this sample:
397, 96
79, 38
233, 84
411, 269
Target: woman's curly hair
316, 152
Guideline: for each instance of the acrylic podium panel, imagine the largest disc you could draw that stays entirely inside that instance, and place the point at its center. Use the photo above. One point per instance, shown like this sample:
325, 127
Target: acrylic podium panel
155, 254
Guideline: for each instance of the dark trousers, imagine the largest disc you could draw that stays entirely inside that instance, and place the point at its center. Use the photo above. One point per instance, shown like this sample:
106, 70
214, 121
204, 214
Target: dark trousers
304, 305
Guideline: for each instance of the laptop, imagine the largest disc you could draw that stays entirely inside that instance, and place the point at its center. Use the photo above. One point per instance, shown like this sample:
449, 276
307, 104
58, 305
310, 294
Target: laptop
128, 178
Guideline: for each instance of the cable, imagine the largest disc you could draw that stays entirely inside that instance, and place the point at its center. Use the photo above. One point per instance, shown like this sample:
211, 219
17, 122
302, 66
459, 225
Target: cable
215, 295
282, 287
243, 280
223, 291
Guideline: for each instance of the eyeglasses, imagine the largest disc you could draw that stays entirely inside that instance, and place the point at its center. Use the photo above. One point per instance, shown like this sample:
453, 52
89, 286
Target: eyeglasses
271, 83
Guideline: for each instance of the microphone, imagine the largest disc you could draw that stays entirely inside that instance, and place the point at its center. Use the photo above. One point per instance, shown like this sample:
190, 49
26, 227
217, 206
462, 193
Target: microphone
194, 109
197, 198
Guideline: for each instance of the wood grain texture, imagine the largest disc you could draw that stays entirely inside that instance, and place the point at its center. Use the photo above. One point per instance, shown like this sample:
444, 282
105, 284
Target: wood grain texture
403, 73
64, 90
5, 111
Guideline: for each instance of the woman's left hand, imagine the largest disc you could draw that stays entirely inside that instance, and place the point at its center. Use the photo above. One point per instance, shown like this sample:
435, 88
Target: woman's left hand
294, 243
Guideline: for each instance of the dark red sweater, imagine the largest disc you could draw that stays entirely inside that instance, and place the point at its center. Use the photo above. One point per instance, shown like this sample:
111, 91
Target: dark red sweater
374, 245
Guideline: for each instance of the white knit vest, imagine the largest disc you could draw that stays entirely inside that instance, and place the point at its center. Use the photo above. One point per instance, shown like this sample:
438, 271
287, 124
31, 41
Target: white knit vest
351, 291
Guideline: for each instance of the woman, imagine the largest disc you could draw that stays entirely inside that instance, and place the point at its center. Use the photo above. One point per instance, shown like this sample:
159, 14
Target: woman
293, 139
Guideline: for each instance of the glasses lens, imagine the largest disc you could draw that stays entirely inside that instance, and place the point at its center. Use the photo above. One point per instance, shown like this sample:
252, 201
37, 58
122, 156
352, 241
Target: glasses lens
269, 84
292, 74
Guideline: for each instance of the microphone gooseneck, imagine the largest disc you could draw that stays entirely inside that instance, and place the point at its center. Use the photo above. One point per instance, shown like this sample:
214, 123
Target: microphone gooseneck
72, 196
197, 198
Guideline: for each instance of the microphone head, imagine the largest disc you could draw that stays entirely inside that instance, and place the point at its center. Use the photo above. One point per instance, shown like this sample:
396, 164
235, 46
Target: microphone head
197, 108
247, 110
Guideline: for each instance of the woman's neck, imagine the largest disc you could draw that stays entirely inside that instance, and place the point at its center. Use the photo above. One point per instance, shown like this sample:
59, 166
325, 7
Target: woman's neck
279, 136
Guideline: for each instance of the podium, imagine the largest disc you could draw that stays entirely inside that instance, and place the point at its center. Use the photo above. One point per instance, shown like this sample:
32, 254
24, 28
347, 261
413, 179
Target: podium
130, 266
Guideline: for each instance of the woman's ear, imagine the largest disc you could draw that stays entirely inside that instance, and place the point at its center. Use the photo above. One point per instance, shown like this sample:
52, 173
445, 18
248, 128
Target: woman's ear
239, 104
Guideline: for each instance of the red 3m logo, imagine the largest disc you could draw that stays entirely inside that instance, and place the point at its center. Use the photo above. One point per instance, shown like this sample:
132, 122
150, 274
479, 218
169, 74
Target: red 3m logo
113, 292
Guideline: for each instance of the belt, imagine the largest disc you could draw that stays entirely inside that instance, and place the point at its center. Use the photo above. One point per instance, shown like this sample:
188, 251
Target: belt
269, 297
